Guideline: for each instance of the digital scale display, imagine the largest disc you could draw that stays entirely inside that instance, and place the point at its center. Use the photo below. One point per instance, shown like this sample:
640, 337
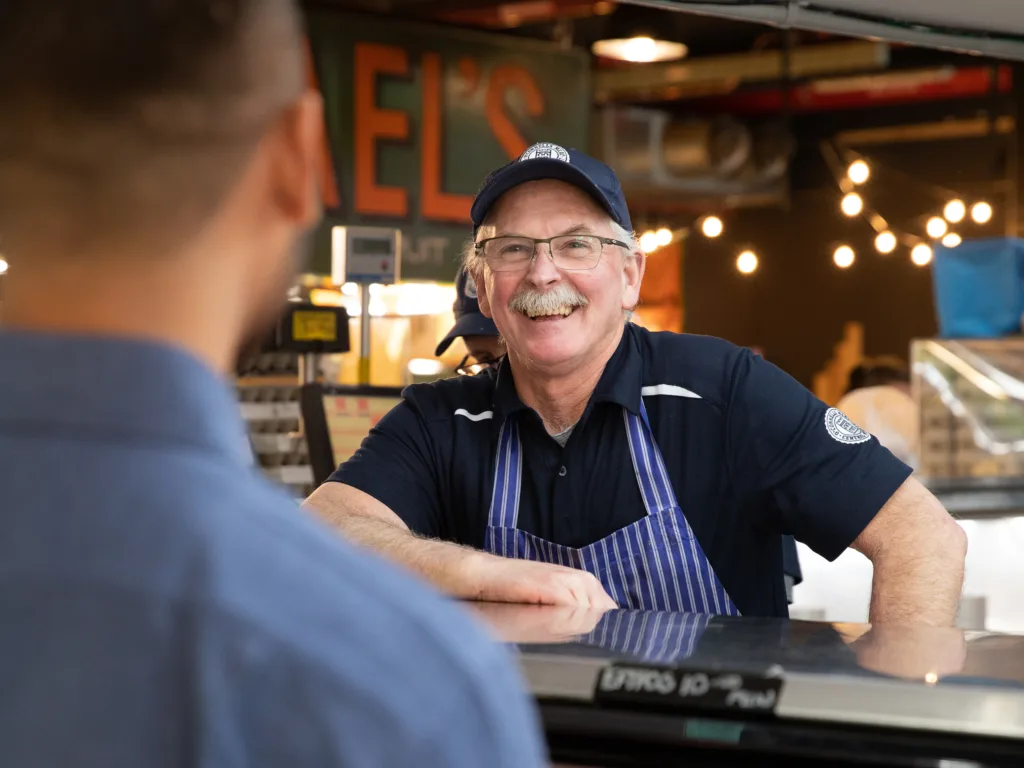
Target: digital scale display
365, 255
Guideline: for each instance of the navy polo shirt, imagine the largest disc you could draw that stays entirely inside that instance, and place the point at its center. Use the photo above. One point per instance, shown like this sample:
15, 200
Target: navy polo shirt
752, 456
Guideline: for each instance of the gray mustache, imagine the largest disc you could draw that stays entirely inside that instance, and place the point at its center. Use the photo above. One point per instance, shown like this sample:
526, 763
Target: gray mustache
528, 301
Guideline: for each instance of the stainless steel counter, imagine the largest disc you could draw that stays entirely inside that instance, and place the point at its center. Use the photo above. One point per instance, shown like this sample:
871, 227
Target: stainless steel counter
637, 688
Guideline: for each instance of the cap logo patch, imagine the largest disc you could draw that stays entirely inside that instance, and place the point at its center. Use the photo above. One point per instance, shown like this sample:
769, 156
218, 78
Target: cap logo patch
469, 288
842, 430
545, 151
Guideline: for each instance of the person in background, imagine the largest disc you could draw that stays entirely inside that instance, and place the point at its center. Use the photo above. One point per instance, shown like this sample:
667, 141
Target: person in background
161, 604
484, 347
606, 465
879, 401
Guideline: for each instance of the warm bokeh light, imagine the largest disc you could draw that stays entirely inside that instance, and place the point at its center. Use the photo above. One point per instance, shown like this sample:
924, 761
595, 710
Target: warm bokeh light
936, 227
712, 226
852, 204
746, 262
858, 172
648, 242
954, 211
885, 242
844, 256
3, 265
951, 240
640, 49
921, 254
663, 236
981, 213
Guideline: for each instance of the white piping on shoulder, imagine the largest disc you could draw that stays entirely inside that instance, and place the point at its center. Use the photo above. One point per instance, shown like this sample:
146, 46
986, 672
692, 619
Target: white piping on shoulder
669, 389
475, 416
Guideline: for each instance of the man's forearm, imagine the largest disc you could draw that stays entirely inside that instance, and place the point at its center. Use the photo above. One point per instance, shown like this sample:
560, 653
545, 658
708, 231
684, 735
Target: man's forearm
447, 566
920, 586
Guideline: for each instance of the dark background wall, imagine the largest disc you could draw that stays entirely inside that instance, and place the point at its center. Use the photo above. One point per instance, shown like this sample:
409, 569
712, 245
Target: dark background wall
794, 306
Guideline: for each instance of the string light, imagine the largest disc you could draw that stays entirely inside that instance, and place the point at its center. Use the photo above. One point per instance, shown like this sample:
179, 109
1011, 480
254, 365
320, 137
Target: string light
951, 240
954, 211
936, 227
852, 204
844, 256
663, 236
858, 172
885, 242
746, 262
712, 226
921, 255
981, 212
648, 242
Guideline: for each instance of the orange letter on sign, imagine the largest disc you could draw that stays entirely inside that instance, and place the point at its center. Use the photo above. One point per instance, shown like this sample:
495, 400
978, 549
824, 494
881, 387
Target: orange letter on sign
373, 123
434, 203
503, 79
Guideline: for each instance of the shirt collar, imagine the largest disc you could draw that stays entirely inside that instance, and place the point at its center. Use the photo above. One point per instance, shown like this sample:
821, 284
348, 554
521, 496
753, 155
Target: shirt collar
118, 389
620, 382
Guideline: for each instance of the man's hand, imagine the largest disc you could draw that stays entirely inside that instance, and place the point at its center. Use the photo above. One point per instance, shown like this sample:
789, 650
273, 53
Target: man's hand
504, 580
537, 623
918, 553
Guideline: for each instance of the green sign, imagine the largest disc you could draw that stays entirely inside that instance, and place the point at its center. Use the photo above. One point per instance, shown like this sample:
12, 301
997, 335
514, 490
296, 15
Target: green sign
417, 115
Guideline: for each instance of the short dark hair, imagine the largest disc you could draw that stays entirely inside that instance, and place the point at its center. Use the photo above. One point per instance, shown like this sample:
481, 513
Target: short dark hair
125, 118
878, 372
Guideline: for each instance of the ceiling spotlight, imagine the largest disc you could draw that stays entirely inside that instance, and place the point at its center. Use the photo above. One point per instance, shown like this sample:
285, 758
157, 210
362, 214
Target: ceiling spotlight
936, 227
954, 211
921, 254
746, 262
858, 172
640, 49
981, 213
852, 204
885, 242
712, 226
844, 256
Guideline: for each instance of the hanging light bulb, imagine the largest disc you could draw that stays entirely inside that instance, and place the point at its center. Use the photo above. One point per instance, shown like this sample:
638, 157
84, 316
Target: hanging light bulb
712, 226
852, 204
885, 242
746, 262
858, 172
921, 254
648, 242
844, 256
954, 211
981, 212
936, 227
663, 236
951, 240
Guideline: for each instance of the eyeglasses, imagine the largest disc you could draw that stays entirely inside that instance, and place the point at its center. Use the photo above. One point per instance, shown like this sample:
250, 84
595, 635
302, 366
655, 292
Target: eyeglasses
466, 368
570, 252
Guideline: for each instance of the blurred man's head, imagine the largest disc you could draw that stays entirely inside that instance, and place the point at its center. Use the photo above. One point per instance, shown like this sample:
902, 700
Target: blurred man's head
152, 148
561, 303
484, 346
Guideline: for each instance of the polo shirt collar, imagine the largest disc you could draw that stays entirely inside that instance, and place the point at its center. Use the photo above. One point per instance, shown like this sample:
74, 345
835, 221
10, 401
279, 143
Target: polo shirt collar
120, 390
620, 382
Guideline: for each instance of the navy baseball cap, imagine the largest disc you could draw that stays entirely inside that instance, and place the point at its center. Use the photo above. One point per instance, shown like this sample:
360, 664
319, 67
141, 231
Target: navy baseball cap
469, 321
550, 161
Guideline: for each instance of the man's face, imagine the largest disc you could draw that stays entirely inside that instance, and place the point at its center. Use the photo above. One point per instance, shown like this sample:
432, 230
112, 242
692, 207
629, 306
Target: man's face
282, 206
592, 302
484, 349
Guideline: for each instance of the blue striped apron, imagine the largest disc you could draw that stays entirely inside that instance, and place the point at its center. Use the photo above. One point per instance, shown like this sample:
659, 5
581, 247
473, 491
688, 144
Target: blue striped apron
652, 636
655, 564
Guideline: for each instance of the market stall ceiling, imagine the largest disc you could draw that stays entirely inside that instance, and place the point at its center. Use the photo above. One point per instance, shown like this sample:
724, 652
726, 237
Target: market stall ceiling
989, 27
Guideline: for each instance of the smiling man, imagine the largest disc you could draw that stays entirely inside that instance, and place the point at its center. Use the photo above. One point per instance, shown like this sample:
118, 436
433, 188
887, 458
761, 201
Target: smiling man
608, 465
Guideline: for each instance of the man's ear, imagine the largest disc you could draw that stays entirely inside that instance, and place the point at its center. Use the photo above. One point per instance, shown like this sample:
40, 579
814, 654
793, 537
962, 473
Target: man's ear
481, 292
632, 277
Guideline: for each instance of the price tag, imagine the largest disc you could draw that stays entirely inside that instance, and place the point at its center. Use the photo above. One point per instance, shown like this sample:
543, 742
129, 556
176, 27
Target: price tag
314, 326
667, 687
